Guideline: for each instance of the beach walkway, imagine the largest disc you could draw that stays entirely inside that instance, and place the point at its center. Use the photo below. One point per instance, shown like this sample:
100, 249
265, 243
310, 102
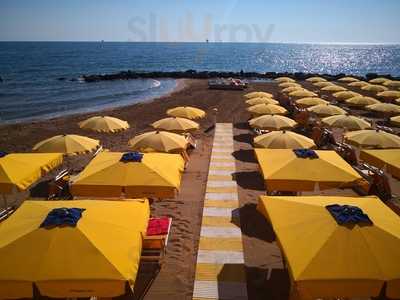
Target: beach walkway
220, 270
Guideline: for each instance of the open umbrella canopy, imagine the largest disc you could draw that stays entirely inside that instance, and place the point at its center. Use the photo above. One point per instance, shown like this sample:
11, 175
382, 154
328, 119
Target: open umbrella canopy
375, 88
67, 144
292, 89
358, 84
284, 79
104, 124
41, 246
341, 96
347, 122
383, 158
378, 80
389, 95
361, 101
158, 141
395, 120
302, 94
310, 101
111, 174
348, 79
258, 94
392, 83
261, 100
386, 108
325, 110
272, 122
176, 124
283, 140
322, 84
267, 109
316, 79
283, 170
187, 112
288, 84
333, 88
21, 170
330, 259
373, 139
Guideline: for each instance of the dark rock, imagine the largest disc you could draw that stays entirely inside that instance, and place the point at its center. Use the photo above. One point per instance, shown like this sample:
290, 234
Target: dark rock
193, 74
61, 78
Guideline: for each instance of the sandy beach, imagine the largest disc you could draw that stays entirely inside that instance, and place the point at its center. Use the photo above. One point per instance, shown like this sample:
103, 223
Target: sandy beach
266, 276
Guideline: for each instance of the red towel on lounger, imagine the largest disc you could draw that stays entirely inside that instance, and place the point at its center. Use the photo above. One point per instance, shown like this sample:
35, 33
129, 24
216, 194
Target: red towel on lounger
158, 226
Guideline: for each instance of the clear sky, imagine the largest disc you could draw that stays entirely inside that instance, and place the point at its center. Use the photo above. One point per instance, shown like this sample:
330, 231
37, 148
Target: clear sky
319, 21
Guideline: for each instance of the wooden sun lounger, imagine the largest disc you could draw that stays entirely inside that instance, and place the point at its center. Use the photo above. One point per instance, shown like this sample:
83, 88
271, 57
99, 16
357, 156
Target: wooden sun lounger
58, 184
153, 252
5, 213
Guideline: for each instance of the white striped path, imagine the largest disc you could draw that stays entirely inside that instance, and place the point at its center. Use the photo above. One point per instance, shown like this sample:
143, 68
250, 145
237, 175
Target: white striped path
220, 272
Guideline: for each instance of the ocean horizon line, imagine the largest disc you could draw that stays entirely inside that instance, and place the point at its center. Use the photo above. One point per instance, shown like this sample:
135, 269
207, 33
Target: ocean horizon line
211, 42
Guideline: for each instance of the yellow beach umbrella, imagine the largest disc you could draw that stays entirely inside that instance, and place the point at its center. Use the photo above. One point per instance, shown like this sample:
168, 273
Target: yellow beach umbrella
67, 144
348, 79
187, 112
176, 124
333, 88
358, 84
272, 122
110, 175
341, 96
392, 83
104, 124
158, 141
284, 79
378, 80
283, 140
283, 170
261, 100
310, 101
288, 84
325, 110
322, 84
20, 170
395, 120
386, 108
292, 89
328, 260
383, 158
346, 121
361, 101
389, 95
97, 257
374, 88
267, 109
373, 139
316, 79
258, 94
302, 94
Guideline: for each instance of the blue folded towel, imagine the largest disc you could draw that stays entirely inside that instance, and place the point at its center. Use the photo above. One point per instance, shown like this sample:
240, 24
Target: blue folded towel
62, 216
3, 153
305, 153
132, 157
348, 214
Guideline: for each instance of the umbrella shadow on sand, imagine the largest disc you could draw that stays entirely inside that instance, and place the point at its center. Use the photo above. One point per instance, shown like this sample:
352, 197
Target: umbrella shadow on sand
244, 138
245, 155
268, 283
249, 180
253, 223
